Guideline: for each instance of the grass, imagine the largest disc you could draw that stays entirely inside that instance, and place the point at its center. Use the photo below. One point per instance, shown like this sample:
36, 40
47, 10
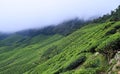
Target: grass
81, 52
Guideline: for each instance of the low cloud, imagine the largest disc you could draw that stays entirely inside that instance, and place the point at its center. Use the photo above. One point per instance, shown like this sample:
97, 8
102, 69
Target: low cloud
17, 15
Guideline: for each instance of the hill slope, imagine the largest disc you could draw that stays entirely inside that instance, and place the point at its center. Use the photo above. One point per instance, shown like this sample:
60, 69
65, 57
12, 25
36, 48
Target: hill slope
64, 49
86, 51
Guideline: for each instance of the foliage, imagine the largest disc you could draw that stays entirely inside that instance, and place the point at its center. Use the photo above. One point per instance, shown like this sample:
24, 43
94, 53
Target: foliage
85, 51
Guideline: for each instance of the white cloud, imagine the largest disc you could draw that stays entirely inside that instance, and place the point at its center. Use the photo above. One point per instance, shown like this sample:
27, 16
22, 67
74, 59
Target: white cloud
22, 14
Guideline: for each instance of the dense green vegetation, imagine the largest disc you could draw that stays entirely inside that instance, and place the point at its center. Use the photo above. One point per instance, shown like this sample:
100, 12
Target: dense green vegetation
62, 49
82, 52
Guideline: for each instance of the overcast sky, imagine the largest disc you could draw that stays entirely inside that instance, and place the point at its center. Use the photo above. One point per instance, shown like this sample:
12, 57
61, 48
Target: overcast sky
17, 15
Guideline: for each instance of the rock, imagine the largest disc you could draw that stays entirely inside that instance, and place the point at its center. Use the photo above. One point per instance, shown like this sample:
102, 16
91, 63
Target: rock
96, 53
111, 61
116, 65
118, 72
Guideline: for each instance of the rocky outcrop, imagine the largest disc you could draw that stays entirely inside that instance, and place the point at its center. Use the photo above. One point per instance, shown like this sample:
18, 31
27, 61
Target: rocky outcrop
115, 64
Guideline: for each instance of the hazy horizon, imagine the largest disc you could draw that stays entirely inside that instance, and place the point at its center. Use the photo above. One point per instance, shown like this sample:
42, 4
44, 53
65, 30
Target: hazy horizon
25, 14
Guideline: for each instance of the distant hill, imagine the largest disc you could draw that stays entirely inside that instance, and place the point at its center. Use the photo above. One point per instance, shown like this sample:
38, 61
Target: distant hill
65, 28
3, 36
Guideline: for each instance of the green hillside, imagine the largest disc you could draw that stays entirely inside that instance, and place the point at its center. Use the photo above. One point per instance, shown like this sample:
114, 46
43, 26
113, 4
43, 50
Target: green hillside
90, 49
86, 51
83, 51
16, 59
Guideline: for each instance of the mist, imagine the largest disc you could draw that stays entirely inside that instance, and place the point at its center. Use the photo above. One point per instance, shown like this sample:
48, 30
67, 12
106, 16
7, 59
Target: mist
16, 15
